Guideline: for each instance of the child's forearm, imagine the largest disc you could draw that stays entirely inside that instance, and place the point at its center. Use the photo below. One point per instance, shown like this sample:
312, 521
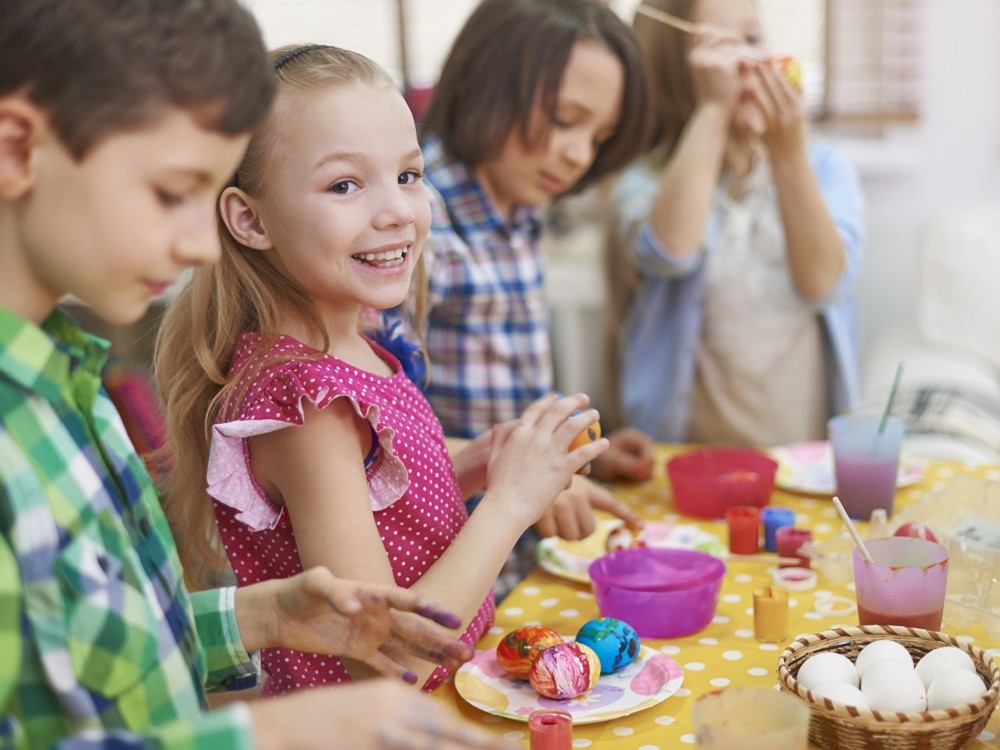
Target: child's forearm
464, 575
681, 208
470, 459
815, 250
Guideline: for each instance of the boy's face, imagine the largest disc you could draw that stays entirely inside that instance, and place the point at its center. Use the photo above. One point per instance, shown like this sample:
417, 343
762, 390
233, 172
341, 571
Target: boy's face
587, 112
117, 228
344, 212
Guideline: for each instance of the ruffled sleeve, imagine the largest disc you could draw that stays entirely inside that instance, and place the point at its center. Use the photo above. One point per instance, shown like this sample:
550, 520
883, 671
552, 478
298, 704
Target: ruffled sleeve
274, 402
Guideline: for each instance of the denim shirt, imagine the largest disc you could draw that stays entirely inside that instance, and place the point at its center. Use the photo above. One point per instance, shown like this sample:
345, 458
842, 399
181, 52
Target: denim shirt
662, 328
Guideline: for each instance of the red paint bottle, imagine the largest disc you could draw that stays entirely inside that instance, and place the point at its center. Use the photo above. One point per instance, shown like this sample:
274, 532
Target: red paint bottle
551, 729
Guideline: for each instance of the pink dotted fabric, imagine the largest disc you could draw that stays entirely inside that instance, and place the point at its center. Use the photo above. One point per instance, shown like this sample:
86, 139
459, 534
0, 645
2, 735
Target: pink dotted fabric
416, 502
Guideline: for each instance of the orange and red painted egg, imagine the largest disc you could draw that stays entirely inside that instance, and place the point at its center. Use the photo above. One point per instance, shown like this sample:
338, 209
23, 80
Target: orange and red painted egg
519, 649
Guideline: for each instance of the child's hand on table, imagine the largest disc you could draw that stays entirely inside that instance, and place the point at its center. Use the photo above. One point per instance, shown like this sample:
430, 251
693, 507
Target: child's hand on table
630, 457
571, 516
378, 714
319, 613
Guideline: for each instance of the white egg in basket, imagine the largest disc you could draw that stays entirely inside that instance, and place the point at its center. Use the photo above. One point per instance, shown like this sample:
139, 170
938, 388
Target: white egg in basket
826, 668
892, 685
879, 650
941, 661
955, 689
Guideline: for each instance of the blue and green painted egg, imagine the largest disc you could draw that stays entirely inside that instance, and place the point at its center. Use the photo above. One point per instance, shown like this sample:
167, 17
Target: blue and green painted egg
615, 642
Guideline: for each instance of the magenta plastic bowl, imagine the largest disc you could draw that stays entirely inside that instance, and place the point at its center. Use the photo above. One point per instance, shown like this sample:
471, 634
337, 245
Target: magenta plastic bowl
707, 481
661, 592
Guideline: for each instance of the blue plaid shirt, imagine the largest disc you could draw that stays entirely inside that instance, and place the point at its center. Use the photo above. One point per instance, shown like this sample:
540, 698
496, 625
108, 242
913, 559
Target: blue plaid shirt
487, 333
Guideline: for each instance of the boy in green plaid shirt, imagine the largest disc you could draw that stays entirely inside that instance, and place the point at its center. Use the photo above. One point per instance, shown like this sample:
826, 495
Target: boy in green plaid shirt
120, 120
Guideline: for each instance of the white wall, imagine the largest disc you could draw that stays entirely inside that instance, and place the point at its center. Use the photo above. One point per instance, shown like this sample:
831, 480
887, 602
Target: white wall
951, 158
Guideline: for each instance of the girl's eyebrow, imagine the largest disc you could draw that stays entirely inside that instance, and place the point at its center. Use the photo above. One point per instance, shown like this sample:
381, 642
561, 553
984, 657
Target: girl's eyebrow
361, 156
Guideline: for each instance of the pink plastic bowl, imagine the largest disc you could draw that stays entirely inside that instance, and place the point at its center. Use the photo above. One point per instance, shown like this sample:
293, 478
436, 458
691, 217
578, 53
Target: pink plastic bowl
661, 592
709, 480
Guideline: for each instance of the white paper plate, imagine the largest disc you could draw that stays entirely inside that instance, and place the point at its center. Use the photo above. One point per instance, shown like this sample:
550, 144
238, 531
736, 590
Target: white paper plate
570, 560
651, 678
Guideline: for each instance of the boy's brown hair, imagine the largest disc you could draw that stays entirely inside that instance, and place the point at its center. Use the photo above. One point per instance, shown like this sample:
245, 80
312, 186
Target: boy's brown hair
97, 67
510, 55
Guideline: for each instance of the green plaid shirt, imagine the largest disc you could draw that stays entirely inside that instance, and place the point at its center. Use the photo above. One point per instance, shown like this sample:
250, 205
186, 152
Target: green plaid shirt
100, 644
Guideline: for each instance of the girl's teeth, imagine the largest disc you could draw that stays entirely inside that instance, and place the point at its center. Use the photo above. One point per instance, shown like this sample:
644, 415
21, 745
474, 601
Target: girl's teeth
391, 255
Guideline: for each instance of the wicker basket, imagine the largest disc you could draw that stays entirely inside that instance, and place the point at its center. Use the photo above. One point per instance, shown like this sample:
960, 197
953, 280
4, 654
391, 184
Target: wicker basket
840, 727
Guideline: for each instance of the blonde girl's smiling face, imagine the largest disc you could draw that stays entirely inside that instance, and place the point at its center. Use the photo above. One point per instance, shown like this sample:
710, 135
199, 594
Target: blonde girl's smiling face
586, 115
344, 208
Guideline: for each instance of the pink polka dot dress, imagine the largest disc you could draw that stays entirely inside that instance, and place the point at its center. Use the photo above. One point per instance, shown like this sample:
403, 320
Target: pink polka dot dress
414, 494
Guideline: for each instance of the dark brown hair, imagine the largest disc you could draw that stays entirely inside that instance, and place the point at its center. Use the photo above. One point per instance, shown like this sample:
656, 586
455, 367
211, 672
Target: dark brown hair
510, 55
101, 66
665, 50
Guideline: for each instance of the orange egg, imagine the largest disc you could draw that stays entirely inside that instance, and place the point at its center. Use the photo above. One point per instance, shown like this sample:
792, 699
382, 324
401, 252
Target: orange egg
589, 435
519, 649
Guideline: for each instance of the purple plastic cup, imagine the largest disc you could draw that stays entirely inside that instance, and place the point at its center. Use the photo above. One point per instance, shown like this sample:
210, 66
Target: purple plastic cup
865, 461
661, 592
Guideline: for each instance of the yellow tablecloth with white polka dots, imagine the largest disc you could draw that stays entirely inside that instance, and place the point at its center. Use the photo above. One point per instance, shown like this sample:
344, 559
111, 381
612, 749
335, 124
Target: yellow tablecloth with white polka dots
725, 652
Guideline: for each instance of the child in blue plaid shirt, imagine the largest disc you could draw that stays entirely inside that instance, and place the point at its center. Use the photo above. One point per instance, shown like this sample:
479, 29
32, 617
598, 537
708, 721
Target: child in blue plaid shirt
537, 99
120, 120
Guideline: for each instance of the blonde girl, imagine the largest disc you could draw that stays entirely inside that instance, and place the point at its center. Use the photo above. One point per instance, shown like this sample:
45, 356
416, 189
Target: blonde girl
318, 449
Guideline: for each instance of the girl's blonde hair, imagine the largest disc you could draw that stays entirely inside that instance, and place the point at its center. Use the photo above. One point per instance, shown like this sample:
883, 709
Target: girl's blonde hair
664, 49
243, 292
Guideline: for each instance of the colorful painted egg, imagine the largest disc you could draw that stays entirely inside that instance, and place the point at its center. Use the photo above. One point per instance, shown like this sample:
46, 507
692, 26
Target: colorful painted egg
519, 648
622, 537
565, 671
588, 435
615, 642
917, 531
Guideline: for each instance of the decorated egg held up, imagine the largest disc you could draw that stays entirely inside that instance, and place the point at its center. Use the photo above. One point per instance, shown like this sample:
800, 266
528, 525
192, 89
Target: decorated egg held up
565, 671
615, 642
588, 435
519, 648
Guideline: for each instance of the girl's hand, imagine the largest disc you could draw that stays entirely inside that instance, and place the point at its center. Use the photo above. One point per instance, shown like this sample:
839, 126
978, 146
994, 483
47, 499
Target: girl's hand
531, 462
571, 516
783, 112
715, 67
379, 714
630, 457
319, 613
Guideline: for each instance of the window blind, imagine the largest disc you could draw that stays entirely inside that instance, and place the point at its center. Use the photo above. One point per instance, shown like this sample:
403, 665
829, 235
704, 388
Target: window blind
861, 58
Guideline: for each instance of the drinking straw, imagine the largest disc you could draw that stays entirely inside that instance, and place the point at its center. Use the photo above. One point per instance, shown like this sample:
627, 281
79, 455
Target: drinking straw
854, 532
892, 397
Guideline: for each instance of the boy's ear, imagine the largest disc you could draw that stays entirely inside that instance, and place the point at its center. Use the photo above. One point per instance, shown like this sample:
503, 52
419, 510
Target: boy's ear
22, 126
239, 213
